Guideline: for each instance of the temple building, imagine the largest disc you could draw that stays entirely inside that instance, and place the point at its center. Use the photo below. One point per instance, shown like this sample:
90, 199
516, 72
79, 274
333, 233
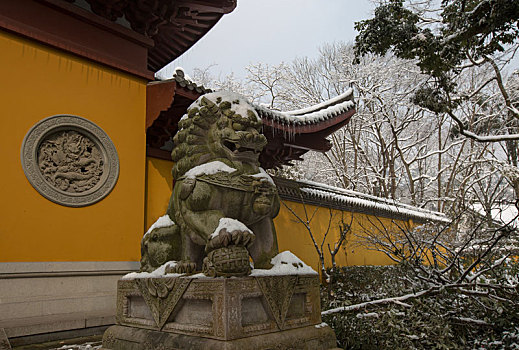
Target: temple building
86, 143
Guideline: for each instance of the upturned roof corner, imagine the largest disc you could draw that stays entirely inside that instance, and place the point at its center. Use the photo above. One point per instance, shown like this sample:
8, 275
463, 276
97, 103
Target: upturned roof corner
290, 134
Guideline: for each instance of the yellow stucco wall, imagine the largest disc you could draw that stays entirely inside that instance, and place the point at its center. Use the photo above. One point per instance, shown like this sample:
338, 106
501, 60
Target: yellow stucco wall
291, 235
159, 185
38, 82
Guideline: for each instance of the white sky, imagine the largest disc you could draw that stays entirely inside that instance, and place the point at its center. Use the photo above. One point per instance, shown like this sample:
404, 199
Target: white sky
271, 31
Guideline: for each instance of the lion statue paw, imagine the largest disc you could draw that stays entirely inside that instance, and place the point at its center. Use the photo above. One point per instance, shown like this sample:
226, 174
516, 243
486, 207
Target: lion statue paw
182, 267
230, 232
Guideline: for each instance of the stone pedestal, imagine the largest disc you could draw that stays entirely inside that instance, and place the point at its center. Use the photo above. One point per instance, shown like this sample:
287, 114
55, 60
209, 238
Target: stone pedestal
267, 312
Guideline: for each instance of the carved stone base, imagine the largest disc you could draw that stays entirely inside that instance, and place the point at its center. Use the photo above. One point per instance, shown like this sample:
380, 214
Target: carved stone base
307, 338
267, 312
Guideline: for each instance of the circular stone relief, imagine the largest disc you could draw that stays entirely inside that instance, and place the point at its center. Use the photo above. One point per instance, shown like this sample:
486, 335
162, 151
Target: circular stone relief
70, 160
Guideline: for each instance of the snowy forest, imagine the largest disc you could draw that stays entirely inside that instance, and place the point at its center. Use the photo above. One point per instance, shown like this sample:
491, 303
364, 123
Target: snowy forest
437, 126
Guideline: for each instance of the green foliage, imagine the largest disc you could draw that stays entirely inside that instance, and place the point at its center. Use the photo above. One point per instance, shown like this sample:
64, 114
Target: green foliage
393, 27
437, 321
465, 30
481, 26
477, 27
432, 99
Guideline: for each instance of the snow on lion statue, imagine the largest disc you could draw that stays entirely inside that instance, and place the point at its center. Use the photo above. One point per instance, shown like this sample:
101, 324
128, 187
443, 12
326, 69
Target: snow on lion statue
223, 203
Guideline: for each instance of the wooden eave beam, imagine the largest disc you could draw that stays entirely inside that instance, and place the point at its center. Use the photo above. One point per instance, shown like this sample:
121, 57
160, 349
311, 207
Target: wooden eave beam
190, 94
309, 143
159, 97
158, 153
217, 6
192, 29
77, 31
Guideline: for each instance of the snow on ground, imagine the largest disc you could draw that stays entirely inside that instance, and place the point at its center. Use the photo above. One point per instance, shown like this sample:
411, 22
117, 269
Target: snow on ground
230, 225
285, 263
163, 221
209, 169
367, 314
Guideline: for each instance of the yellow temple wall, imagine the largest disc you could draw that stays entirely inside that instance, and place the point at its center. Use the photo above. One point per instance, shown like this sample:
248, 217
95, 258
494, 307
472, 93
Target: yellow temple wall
38, 82
159, 185
291, 235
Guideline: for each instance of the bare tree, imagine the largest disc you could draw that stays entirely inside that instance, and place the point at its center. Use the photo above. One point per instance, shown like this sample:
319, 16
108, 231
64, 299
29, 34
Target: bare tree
445, 260
392, 147
319, 246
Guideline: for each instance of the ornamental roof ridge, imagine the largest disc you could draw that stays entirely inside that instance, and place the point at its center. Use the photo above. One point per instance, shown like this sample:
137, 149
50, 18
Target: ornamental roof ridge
185, 81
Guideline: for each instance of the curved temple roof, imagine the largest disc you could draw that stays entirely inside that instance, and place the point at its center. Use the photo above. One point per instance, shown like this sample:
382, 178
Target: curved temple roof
173, 25
289, 134
314, 115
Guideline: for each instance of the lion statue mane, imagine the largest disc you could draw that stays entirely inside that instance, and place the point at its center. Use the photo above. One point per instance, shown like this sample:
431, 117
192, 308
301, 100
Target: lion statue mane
223, 203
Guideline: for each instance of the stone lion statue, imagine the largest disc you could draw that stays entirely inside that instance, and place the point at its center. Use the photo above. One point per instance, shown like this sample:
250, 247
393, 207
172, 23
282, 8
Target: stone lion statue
223, 203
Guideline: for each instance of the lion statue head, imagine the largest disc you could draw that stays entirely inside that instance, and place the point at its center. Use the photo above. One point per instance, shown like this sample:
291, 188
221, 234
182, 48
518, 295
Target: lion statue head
218, 126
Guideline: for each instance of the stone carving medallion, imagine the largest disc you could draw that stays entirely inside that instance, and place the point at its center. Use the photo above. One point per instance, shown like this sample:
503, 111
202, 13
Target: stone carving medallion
70, 160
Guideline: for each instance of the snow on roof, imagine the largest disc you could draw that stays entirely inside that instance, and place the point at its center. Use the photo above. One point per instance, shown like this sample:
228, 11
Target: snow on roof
345, 96
311, 115
357, 199
180, 71
305, 116
185, 81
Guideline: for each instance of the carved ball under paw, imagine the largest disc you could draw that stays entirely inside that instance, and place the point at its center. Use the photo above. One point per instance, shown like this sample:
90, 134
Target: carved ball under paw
223, 239
227, 261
